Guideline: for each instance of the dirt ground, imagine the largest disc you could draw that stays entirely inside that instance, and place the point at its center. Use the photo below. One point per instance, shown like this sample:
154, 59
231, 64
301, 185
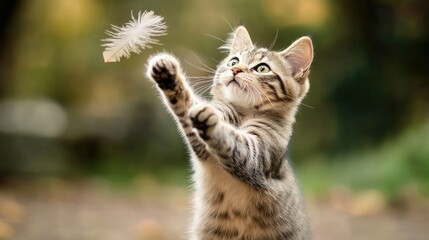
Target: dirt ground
90, 211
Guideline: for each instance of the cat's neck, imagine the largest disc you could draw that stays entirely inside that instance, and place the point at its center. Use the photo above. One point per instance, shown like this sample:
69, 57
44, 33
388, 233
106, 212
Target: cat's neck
283, 115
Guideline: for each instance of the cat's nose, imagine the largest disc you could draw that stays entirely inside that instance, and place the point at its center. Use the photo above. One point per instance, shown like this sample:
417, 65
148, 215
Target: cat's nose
235, 71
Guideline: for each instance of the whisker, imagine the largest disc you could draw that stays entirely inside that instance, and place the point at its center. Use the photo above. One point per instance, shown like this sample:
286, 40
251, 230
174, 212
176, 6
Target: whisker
217, 61
249, 91
199, 84
242, 89
300, 103
274, 41
202, 89
254, 98
199, 60
220, 39
268, 98
201, 77
254, 95
259, 93
232, 29
305, 105
201, 68
251, 97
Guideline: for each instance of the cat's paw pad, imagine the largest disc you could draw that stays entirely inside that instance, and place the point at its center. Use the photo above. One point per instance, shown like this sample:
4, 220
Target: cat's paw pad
162, 69
204, 119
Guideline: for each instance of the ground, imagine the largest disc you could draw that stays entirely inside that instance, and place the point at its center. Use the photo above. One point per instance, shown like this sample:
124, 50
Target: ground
95, 210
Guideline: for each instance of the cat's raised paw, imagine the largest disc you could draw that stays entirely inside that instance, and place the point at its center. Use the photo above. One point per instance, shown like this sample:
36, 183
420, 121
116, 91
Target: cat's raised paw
204, 119
162, 69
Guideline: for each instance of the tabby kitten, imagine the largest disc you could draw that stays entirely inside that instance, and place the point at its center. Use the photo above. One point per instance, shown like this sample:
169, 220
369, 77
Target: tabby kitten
245, 189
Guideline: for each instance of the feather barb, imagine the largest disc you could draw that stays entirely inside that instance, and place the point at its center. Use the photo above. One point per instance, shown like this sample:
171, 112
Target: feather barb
134, 36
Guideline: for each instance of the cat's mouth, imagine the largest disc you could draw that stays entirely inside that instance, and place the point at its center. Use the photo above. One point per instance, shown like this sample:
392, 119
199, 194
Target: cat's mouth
233, 81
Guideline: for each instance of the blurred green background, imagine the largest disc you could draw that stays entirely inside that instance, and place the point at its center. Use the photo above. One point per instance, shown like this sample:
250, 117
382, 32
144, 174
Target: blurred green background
65, 114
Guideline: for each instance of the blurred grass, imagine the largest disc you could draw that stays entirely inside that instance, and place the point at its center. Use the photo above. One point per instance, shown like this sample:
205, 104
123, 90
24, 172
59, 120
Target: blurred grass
393, 167
116, 174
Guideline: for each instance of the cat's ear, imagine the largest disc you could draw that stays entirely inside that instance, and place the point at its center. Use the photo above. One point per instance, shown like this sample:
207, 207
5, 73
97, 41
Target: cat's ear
299, 55
240, 40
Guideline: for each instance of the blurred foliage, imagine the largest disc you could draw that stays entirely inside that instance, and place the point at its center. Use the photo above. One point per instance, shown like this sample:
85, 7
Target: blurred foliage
398, 166
63, 111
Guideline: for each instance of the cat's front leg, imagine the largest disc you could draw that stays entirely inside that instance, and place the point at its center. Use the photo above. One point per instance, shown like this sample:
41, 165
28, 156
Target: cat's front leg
165, 71
204, 119
240, 153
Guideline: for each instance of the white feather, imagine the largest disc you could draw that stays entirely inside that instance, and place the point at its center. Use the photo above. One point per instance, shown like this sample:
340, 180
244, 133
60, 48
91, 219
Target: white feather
133, 36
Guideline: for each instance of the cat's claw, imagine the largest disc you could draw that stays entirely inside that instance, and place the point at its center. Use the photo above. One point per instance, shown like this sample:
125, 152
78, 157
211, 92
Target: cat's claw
204, 119
162, 69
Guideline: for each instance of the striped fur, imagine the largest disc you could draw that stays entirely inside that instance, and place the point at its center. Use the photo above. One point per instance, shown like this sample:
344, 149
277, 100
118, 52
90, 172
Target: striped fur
245, 188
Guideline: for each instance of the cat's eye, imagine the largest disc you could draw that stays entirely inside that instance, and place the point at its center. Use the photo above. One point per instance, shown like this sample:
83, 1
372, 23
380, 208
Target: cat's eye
233, 62
262, 68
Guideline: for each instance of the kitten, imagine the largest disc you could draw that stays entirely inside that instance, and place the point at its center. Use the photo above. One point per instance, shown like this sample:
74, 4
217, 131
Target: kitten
245, 189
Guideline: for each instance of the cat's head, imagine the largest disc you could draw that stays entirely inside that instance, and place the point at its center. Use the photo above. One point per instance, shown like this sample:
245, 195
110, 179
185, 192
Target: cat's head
252, 77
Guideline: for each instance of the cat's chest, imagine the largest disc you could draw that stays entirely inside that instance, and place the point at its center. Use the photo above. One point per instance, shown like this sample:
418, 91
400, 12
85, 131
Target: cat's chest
225, 191
226, 204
